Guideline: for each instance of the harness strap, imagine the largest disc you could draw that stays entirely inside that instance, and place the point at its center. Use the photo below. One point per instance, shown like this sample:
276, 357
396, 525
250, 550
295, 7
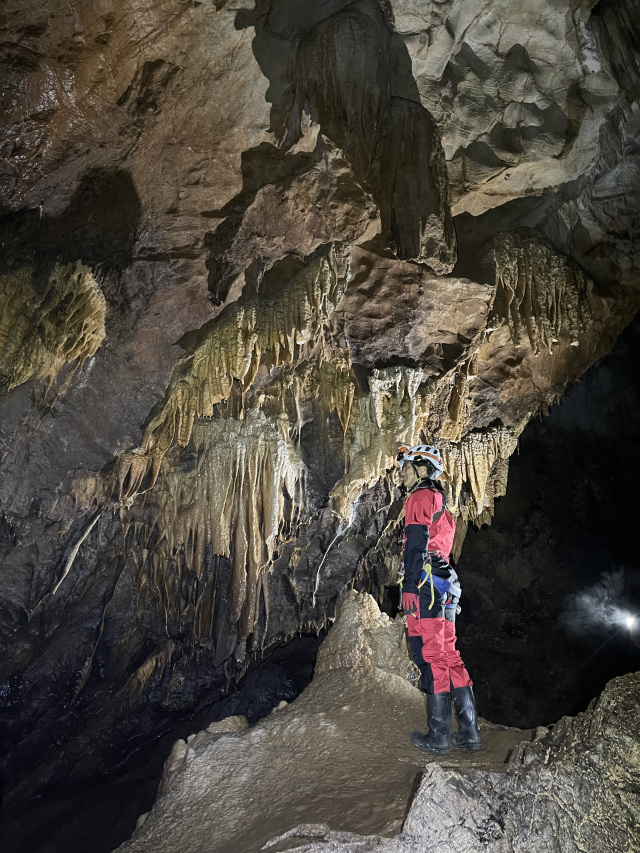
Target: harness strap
443, 586
427, 573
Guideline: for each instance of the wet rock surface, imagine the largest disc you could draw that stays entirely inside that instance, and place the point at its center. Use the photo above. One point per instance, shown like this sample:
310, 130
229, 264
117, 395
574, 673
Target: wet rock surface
282, 310
575, 788
343, 746
344, 751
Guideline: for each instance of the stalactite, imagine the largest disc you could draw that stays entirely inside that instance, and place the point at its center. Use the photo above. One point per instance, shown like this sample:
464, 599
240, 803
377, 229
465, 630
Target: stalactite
284, 328
40, 332
393, 413
336, 385
478, 463
539, 289
396, 412
152, 667
454, 424
235, 498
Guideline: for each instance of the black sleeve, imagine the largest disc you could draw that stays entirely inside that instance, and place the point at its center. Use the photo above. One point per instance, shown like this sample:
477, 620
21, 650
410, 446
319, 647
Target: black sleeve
415, 553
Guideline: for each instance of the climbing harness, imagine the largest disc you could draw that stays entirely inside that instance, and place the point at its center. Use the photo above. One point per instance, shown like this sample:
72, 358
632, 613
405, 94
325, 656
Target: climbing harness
427, 574
445, 588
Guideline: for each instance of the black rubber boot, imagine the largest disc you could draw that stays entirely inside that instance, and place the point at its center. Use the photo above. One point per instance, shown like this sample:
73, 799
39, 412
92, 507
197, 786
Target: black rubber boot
468, 734
438, 738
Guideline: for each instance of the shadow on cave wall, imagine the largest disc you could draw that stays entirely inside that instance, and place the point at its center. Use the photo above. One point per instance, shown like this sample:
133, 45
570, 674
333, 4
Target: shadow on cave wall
343, 65
98, 227
543, 584
262, 165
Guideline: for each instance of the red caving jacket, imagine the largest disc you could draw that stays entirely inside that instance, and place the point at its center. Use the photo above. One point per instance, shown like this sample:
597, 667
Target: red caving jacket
422, 534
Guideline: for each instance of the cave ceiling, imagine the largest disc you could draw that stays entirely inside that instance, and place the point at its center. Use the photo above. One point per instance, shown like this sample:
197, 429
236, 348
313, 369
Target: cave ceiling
247, 252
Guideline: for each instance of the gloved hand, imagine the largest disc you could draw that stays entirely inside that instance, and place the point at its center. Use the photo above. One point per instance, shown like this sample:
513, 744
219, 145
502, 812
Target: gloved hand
410, 604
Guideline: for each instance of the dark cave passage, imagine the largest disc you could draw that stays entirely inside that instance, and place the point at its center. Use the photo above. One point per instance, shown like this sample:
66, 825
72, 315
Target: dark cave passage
545, 586
96, 815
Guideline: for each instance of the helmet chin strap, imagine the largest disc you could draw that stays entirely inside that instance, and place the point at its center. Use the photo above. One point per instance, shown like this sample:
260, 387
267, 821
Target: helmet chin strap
419, 479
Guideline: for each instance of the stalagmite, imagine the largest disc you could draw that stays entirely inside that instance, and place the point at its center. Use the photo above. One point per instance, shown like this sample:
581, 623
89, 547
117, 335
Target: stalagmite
41, 331
538, 288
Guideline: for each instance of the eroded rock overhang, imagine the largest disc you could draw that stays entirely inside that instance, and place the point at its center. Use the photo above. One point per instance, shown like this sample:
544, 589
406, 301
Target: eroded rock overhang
168, 509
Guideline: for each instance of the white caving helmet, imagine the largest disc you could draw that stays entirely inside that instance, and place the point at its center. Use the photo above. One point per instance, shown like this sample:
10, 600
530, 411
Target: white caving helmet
420, 455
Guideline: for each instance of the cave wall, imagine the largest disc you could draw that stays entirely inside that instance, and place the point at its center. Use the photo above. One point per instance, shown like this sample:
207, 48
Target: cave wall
545, 585
319, 230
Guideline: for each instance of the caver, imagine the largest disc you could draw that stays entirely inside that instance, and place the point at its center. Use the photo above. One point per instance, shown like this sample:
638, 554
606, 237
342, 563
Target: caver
430, 594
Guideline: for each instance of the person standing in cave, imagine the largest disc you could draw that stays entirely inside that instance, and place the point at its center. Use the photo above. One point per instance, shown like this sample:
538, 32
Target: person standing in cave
430, 594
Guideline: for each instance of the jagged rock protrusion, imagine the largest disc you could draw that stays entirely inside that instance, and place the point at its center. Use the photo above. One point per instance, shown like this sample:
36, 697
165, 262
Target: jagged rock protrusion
363, 636
347, 70
538, 288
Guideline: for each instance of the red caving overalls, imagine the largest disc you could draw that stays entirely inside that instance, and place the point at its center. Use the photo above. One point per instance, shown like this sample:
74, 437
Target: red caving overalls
432, 638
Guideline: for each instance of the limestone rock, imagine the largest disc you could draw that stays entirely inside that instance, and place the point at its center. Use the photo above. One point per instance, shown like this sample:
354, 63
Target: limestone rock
393, 310
348, 69
573, 789
283, 188
538, 289
489, 79
314, 201
184, 751
363, 636
89, 86
40, 333
338, 756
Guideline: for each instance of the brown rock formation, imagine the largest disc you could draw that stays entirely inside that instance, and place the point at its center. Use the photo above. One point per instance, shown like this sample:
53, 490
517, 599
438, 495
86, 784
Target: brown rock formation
337, 761
168, 509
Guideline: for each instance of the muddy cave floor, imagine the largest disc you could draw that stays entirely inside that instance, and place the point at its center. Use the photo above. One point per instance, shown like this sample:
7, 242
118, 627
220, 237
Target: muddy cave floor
342, 746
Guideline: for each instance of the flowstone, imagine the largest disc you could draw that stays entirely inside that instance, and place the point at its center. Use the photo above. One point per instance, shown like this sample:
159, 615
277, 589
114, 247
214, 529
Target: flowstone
573, 789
